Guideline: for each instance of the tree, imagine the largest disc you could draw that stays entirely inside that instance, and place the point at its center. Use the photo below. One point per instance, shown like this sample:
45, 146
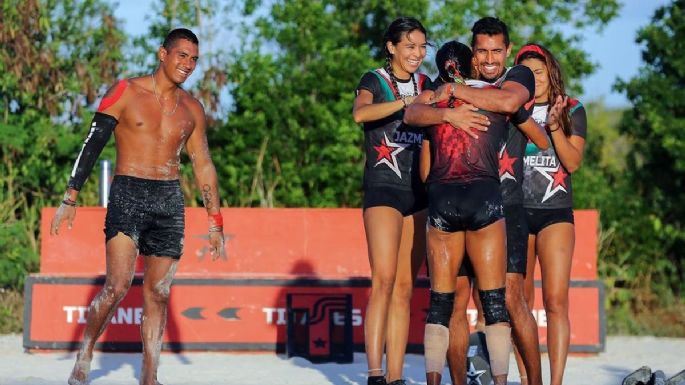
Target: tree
625, 247
51, 70
558, 25
301, 147
656, 123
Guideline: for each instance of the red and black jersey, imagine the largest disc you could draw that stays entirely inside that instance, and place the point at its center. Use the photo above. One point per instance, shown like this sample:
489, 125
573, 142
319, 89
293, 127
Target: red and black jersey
512, 153
392, 148
457, 157
511, 167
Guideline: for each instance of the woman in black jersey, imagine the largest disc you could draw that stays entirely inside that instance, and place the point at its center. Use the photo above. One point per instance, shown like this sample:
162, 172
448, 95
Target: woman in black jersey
394, 197
547, 198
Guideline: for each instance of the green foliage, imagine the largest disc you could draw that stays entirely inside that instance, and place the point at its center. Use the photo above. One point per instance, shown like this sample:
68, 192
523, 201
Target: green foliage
18, 240
657, 125
634, 173
50, 70
11, 311
631, 242
531, 21
290, 139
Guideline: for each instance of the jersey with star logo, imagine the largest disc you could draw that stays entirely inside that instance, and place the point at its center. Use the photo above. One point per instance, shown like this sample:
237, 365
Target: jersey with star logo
512, 152
392, 148
511, 167
457, 157
546, 183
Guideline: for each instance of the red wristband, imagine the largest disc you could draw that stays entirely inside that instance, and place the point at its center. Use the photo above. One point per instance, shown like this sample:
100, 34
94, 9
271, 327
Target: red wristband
216, 220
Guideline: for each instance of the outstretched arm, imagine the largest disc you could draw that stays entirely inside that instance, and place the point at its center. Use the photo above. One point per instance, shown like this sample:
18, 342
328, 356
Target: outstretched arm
206, 180
101, 128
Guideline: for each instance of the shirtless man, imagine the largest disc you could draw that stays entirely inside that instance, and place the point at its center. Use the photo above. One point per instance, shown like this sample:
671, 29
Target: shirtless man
154, 118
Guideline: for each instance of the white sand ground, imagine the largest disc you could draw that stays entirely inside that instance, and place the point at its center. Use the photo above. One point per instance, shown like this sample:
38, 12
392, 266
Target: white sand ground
622, 355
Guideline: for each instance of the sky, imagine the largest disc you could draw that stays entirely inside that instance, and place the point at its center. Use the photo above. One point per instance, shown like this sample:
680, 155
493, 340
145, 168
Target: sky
616, 51
614, 48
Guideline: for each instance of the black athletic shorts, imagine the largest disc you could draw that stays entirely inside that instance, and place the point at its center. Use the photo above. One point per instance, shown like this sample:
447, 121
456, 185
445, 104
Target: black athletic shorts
517, 238
469, 206
538, 219
151, 212
517, 243
406, 202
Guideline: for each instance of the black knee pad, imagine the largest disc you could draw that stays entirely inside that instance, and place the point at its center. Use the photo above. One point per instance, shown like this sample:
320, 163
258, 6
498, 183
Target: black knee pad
440, 308
494, 308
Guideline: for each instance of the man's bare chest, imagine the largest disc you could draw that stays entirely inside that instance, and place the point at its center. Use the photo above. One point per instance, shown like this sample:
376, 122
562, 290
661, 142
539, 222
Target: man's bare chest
145, 116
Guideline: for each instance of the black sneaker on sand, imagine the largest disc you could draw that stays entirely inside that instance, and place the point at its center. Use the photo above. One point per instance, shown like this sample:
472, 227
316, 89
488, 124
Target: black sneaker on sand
638, 377
678, 379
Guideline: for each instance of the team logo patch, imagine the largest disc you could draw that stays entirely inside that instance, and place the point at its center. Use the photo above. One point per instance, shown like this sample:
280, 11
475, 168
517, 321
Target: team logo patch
557, 180
478, 361
387, 154
506, 166
474, 375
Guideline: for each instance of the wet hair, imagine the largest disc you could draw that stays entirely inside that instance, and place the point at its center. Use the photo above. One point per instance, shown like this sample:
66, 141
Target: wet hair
556, 79
453, 59
393, 34
177, 34
490, 26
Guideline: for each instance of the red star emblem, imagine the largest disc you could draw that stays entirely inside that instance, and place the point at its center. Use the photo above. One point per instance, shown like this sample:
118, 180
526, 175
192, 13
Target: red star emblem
506, 164
384, 151
387, 154
559, 178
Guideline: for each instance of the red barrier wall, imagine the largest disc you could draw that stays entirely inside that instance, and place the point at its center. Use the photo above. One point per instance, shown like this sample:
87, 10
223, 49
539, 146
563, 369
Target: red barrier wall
239, 302
260, 243
265, 242
247, 314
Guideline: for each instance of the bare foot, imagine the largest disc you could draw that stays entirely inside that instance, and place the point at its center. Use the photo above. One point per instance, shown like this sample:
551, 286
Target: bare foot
79, 375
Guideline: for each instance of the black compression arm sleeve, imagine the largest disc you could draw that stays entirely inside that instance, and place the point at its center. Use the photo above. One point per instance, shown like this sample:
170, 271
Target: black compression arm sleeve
100, 131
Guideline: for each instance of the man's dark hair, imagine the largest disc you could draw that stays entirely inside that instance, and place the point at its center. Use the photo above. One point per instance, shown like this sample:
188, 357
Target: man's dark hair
179, 33
490, 26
